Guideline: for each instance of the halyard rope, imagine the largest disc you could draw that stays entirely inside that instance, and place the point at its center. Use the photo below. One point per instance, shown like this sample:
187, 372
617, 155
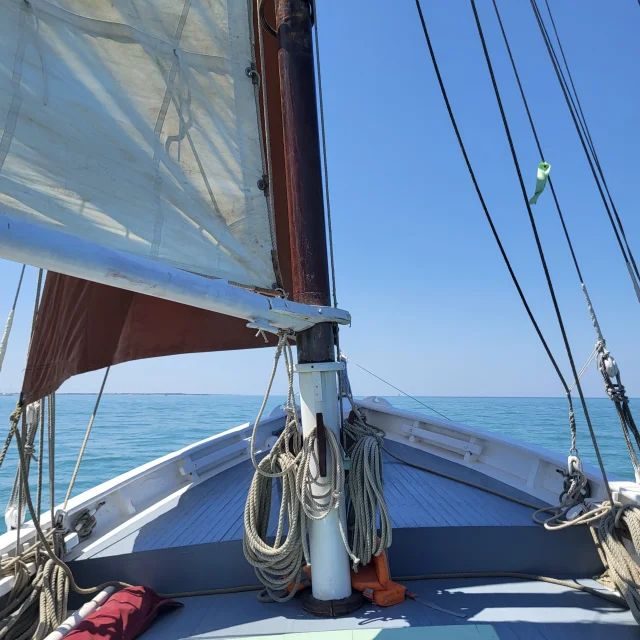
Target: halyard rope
86, 439
14, 424
7, 329
15, 509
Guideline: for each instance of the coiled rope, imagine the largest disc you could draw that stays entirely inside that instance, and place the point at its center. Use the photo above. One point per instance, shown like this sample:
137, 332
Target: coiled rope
623, 569
279, 564
53, 578
305, 495
366, 490
610, 524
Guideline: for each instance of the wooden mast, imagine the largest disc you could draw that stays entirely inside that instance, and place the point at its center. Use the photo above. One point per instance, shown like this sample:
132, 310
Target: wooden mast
304, 173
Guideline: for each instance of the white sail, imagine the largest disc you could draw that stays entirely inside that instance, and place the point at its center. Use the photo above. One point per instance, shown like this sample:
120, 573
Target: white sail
135, 126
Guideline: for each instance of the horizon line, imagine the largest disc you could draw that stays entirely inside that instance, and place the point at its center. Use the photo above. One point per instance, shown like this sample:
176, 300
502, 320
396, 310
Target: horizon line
260, 395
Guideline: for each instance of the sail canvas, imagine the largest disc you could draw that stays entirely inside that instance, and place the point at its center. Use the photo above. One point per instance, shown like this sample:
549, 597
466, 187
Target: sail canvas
137, 127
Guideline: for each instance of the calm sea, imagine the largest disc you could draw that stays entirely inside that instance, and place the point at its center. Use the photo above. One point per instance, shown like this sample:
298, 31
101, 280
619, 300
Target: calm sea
133, 429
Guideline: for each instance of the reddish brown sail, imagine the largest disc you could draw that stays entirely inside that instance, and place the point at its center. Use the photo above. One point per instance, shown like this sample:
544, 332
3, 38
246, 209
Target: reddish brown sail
84, 326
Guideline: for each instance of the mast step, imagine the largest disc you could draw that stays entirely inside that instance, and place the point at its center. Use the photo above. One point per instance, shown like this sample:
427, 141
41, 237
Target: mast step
331, 608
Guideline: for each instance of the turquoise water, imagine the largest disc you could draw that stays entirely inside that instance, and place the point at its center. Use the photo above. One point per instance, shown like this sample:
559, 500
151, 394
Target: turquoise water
133, 429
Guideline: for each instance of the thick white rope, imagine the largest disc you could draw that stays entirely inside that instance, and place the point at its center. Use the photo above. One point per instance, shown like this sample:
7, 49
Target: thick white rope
366, 490
7, 329
86, 439
5, 336
279, 564
15, 510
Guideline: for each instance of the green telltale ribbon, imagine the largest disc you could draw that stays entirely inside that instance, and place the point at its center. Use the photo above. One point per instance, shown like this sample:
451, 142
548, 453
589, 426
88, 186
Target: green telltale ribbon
541, 180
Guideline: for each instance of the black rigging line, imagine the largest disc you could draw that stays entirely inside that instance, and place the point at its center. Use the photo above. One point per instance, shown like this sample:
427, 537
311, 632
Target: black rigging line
535, 135
402, 392
624, 412
577, 105
582, 135
588, 136
498, 241
540, 251
483, 203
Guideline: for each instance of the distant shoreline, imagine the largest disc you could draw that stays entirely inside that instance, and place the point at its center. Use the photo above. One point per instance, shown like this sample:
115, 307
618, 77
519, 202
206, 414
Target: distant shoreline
259, 395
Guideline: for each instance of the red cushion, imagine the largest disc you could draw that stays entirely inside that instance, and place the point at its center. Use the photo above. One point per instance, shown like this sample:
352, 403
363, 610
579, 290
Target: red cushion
124, 616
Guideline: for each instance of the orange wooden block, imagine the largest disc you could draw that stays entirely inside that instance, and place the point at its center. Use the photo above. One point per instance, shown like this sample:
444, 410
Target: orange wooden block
375, 583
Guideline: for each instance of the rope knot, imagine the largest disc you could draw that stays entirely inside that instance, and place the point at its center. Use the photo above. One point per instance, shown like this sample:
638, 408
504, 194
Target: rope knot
29, 450
17, 412
617, 393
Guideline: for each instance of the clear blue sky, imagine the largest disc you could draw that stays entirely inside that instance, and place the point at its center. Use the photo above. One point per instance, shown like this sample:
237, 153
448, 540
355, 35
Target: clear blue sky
434, 310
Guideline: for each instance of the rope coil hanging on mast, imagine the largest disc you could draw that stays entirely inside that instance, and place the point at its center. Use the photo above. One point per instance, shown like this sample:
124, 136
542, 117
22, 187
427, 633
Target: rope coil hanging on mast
305, 496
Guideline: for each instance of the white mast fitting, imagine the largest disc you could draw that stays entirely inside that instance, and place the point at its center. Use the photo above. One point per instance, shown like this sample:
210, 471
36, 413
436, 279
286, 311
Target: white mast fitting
56, 251
329, 559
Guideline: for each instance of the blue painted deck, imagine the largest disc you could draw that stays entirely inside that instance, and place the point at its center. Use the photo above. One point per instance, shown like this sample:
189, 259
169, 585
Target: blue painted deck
214, 510
439, 526
517, 610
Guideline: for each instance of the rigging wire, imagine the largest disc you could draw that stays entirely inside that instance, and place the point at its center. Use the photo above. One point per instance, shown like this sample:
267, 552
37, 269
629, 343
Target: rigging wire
4, 341
633, 273
86, 439
325, 166
540, 251
267, 160
589, 138
402, 392
486, 209
624, 413
537, 139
